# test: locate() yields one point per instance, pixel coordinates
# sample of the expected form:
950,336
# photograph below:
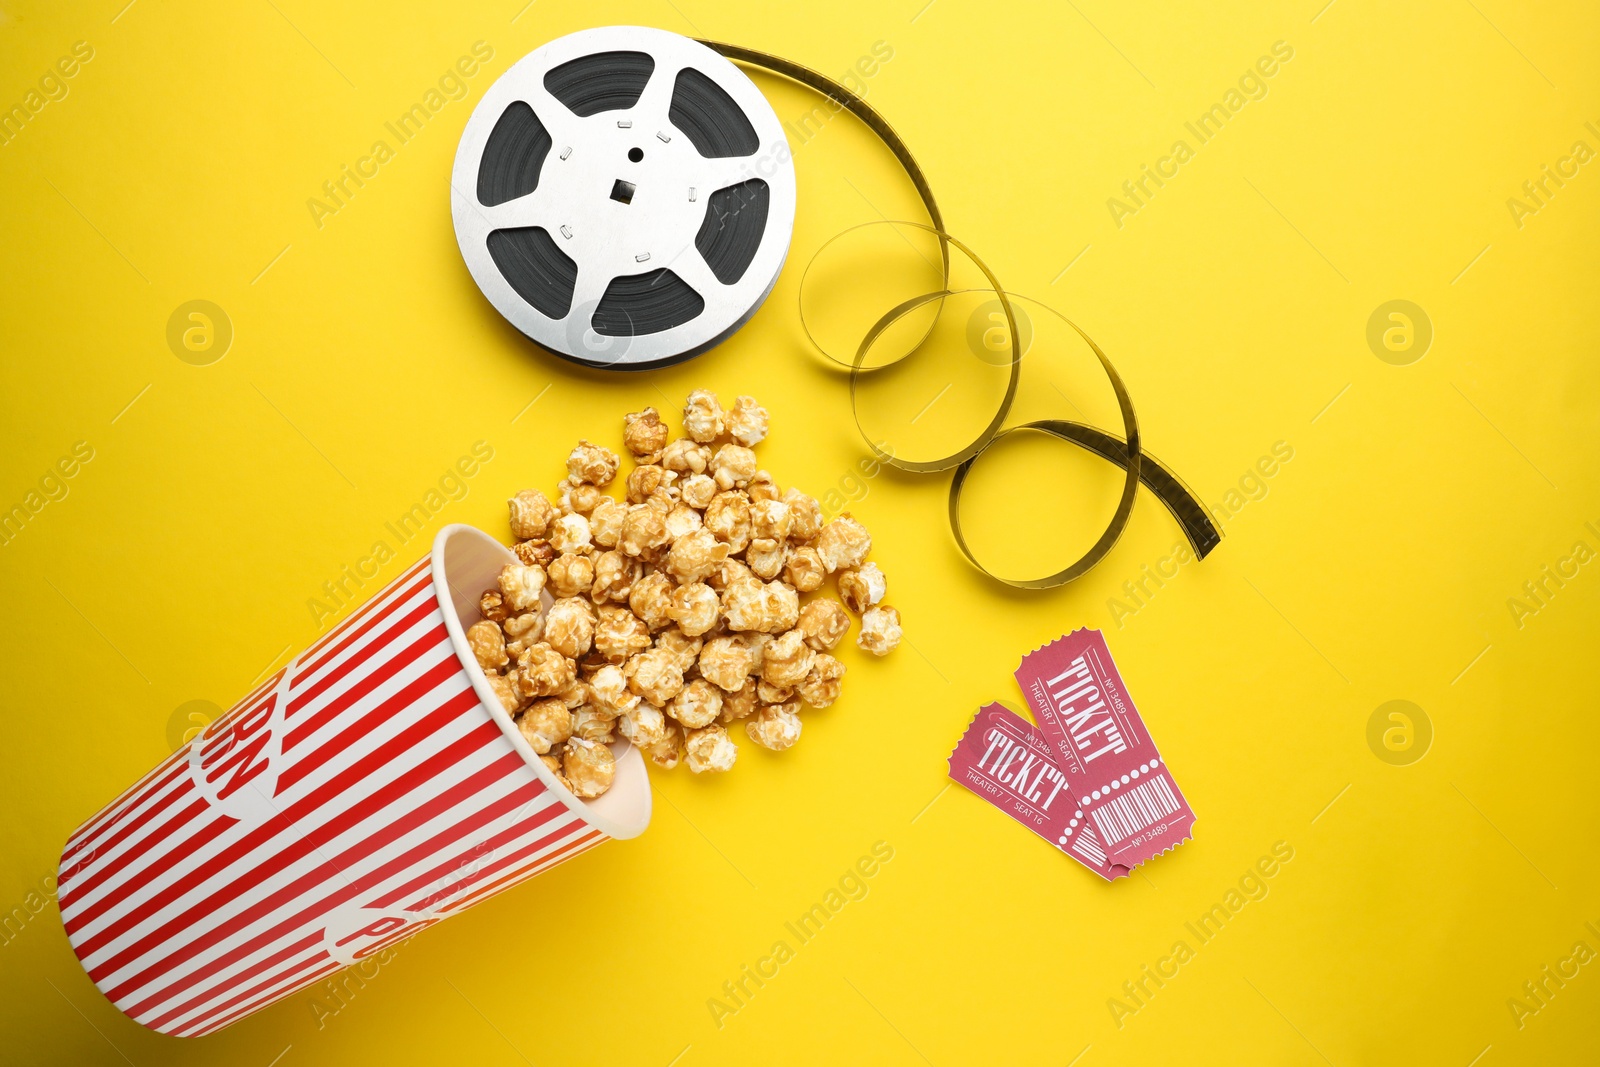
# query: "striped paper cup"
367,790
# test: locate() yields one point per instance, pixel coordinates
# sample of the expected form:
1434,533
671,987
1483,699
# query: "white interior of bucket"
468,561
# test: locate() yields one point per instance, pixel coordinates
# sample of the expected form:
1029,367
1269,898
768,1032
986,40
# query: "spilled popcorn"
676,611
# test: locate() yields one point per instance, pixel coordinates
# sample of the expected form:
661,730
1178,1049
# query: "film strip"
1124,452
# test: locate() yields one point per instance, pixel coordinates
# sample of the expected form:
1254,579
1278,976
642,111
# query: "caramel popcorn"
697,704
697,490
608,688
747,422
843,543
619,634
776,726
614,575
766,557
823,623
488,644
686,457
733,466
530,514
727,662
592,464
570,574
542,671
643,724
728,518
643,529
695,608
805,515
655,674
695,555
862,587
520,586
589,767
676,611
545,724
569,627
821,687
651,600
570,533
787,661
702,416
710,749
880,630
803,569
644,435
605,522
737,705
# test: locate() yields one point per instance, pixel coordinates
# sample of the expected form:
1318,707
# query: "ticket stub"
1006,762
1098,741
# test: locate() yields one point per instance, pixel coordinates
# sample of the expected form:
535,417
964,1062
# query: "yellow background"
1378,565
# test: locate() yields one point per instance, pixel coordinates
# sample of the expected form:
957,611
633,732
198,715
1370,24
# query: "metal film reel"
624,196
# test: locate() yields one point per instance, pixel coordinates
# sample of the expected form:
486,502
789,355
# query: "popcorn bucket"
367,790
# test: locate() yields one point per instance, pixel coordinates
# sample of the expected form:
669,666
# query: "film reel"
624,197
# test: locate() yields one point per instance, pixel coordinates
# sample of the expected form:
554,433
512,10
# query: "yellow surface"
1377,564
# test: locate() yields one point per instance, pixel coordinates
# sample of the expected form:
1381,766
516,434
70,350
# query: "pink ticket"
1098,740
1006,762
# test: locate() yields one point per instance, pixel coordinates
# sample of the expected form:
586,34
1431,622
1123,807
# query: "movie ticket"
1004,760
1097,739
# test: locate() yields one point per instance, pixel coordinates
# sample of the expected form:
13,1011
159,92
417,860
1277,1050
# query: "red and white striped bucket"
367,790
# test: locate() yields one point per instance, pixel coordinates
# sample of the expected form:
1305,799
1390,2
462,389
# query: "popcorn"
697,704
787,661
644,435
619,634
570,533
765,557
776,726
710,749
643,724
530,514
862,587
686,457
728,519
569,627
609,691
592,464
803,569
805,515
675,612
726,662
651,600
880,630
643,529
695,555
545,724
747,422
702,416
488,644
733,466
542,671
570,574
821,687
695,608
605,522
823,623
843,543
589,767
697,491
520,586
655,674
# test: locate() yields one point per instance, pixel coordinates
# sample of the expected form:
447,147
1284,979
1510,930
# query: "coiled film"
624,196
